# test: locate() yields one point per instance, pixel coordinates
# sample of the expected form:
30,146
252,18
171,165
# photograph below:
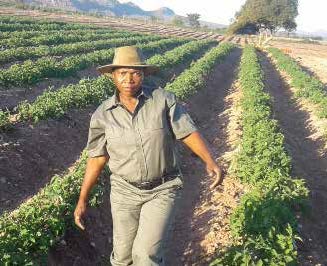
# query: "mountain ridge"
105,7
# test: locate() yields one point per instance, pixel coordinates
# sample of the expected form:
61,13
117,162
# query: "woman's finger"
78,222
214,184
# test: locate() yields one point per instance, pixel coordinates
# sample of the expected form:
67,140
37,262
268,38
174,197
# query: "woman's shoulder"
102,108
160,93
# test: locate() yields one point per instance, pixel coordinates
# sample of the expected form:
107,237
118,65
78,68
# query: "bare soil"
309,159
11,97
201,227
311,56
31,155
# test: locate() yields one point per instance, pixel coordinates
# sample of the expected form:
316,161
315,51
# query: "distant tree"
193,19
289,26
266,14
177,22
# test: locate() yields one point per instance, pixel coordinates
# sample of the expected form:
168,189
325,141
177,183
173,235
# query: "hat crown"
128,55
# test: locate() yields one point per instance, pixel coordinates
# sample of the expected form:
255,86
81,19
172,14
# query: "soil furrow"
201,226
9,99
309,161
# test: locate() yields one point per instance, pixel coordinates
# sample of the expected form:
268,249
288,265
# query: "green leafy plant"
54,37
54,104
307,86
263,224
94,42
27,233
193,78
31,72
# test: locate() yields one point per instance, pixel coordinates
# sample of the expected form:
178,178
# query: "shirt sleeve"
96,143
181,123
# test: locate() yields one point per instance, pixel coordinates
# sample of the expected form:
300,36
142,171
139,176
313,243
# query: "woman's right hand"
79,213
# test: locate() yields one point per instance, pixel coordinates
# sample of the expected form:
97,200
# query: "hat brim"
148,69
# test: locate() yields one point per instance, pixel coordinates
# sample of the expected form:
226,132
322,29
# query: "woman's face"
128,80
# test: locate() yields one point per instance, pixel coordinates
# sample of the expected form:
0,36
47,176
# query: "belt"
147,185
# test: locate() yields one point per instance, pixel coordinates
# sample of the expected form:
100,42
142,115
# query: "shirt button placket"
140,149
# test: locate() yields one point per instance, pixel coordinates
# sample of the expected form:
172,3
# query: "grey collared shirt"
141,145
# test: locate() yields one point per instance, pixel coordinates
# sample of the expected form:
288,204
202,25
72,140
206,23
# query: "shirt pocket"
114,134
155,132
120,141
154,124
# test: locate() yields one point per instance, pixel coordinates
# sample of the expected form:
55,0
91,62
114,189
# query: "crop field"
263,114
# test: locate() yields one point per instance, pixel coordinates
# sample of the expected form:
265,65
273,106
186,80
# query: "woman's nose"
129,76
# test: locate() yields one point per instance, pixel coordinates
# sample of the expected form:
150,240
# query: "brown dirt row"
313,57
201,226
10,98
309,159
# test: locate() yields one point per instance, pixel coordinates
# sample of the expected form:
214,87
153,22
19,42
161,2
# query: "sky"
312,13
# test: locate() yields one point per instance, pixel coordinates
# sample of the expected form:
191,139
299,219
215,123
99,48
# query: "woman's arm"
197,144
94,167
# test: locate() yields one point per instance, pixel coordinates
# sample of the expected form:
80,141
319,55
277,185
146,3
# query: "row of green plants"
28,21
306,85
264,224
28,232
31,72
179,54
38,33
55,37
54,104
50,26
94,42
194,78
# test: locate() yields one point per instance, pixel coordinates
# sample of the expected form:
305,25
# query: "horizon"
311,16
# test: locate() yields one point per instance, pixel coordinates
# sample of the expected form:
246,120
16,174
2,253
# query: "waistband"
147,185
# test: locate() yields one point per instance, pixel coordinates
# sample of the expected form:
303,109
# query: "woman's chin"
130,90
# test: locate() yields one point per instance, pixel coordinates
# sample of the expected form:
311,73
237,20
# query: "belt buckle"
152,184
145,185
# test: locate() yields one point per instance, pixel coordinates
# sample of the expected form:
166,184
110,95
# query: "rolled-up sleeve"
96,143
181,123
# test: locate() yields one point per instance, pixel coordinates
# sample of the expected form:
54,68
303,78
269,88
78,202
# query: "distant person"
135,131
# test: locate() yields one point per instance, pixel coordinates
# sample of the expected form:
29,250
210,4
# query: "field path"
202,222
309,162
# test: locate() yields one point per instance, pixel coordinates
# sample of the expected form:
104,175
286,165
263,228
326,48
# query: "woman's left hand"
215,171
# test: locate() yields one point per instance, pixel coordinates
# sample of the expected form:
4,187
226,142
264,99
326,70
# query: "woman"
134,131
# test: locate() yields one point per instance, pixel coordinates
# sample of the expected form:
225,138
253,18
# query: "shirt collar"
114,102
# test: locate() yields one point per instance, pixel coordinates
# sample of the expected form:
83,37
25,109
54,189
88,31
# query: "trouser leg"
156,217
125,210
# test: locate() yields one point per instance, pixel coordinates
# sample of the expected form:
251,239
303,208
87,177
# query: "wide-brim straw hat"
128,56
